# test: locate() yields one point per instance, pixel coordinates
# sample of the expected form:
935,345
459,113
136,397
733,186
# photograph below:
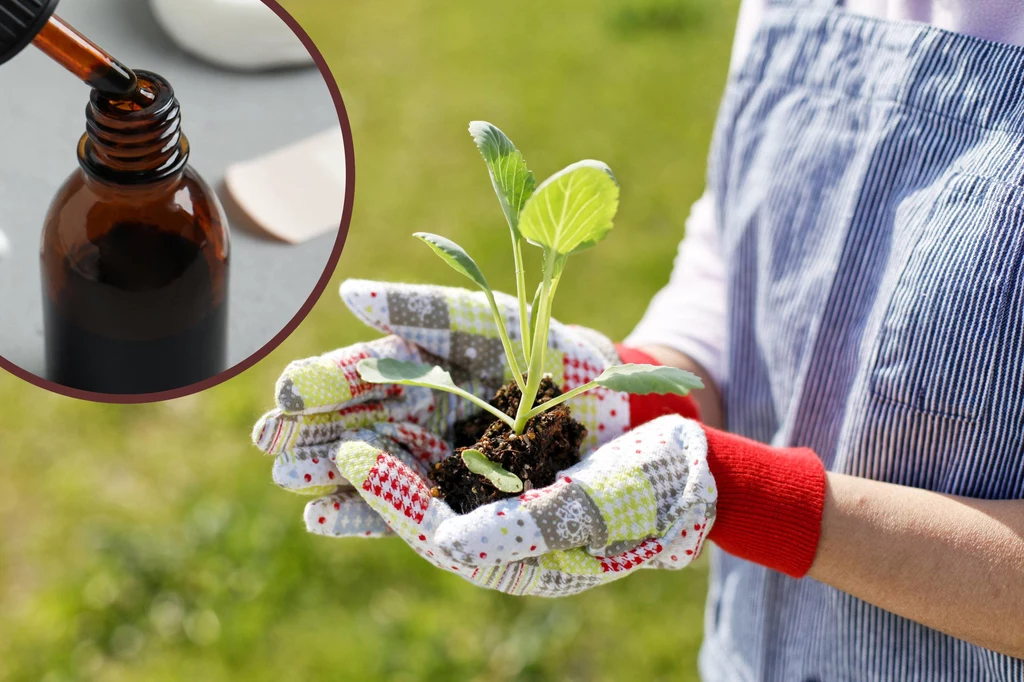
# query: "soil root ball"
549,444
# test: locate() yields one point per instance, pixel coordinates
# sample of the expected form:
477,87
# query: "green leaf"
513,182
455,256
573,209
643,379
390,371
503,480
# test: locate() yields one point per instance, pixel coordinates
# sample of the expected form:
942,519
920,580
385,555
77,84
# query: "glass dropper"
88,62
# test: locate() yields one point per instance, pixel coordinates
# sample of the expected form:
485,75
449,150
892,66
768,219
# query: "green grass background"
148,543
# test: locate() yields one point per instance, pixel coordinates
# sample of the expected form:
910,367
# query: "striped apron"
869,186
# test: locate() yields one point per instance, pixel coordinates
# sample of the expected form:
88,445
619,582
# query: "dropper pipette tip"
86,60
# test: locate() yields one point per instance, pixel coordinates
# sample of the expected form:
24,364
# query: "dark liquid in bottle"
136,315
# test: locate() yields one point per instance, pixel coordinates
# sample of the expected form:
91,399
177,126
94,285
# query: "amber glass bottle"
135,255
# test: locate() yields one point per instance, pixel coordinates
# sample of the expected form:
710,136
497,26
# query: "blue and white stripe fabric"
869,186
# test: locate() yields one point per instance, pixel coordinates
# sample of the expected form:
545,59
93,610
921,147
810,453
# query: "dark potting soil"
469,431
550,443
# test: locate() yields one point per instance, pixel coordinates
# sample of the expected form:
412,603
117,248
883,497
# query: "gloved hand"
644,500
322,400
386,438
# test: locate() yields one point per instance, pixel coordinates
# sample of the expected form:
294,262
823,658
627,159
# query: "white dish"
236,34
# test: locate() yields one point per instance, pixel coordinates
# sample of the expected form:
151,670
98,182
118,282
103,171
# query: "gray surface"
228,117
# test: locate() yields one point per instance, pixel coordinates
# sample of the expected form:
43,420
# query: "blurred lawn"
147,543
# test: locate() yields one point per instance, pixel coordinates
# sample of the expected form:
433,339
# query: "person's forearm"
708,399
951,563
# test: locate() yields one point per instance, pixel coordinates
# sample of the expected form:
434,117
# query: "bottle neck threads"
137,140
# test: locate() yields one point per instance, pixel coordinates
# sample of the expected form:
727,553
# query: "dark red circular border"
318,290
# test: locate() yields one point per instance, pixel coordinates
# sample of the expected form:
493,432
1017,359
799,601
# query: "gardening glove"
322,400
645,499
667,481
652,484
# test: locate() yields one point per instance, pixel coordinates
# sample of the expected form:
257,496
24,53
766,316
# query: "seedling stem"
569,212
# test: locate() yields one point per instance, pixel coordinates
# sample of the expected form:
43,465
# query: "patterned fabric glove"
644,500
322,401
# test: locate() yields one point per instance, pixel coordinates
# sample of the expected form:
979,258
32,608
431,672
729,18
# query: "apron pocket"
946,321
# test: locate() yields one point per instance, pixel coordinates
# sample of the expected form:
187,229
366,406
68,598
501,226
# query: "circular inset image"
176,186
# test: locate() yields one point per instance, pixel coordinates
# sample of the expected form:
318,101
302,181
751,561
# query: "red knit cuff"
770,502
644,408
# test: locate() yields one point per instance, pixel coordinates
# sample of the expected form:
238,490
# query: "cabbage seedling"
571,211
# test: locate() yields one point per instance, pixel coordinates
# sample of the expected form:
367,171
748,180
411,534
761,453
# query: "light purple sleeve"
998,20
